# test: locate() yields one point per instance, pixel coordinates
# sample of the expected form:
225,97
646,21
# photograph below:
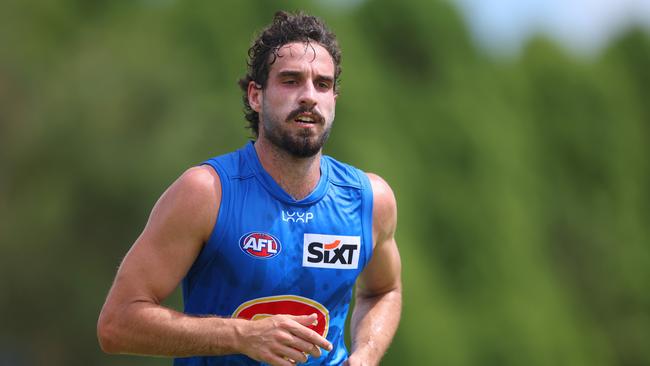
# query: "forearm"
150,329
374,322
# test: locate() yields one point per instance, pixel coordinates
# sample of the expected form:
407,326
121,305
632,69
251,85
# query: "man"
270,239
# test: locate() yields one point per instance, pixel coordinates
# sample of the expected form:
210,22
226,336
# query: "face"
296,107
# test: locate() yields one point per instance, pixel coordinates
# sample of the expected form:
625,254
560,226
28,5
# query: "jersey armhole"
366,215
210,247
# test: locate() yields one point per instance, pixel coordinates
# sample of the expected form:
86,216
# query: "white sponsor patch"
331,251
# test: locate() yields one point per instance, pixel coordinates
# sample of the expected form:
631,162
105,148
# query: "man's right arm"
133,321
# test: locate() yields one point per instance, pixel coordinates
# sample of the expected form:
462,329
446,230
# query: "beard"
303,144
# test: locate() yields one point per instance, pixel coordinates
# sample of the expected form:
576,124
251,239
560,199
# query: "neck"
297,176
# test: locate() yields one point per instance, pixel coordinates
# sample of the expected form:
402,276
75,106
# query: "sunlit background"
583,27
515,134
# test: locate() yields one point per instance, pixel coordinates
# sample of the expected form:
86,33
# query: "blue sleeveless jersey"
270,254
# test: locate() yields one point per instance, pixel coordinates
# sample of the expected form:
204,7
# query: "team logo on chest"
260,245
331,251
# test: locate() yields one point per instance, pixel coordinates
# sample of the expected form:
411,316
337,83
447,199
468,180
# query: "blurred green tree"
523,185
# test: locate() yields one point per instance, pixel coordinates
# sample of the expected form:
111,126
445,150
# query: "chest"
275,247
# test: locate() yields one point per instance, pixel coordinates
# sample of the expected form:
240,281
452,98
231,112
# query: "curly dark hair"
285,28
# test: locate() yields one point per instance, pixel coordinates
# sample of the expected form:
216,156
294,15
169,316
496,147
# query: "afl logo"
260,245
265,307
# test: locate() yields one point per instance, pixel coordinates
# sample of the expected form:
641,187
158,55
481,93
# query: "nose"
307,96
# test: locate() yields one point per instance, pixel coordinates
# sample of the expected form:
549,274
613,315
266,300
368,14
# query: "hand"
281,340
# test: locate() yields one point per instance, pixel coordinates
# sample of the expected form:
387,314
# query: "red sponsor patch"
260,245
286,305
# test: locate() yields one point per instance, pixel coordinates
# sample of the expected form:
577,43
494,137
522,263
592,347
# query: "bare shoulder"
200,180
192,201
197,186
381,190
384,210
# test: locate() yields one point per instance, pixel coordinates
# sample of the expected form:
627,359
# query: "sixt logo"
295,216
260,245
331,251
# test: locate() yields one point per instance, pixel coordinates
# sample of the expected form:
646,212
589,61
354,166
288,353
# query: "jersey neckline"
274,188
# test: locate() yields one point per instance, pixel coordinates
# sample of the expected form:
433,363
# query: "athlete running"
268,241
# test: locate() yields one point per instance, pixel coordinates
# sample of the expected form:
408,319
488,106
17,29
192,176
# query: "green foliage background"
523,185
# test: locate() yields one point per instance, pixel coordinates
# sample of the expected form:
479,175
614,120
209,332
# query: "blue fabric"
270,254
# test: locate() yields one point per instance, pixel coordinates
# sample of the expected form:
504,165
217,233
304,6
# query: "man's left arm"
378,300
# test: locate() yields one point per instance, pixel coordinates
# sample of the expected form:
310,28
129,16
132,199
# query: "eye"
289,82
324,85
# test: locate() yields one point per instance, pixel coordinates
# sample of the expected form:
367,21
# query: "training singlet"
270,254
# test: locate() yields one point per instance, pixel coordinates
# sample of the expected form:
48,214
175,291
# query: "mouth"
306,118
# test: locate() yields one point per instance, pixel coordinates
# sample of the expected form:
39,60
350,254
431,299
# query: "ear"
255,96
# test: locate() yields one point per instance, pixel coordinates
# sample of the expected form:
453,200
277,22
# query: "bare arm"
132,319
379,289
